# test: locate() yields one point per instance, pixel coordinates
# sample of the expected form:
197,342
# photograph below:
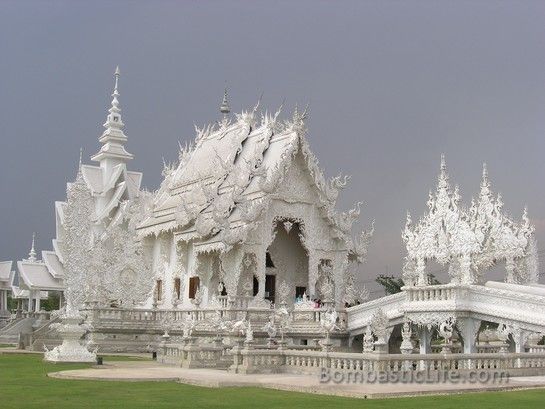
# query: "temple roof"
53,264
5,270
227,176
223,165
95,179
5,275
36,276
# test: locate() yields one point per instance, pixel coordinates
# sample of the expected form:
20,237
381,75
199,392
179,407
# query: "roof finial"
117,73
114,117
32,253
80,156
443,163
224,108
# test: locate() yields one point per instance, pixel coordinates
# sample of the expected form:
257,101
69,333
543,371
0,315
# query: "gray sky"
391,84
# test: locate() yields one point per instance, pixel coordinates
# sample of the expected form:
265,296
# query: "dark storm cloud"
391,86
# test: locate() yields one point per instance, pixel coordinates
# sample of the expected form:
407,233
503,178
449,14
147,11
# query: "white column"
37,301
425,340
520,337
260,272
30,295
469,328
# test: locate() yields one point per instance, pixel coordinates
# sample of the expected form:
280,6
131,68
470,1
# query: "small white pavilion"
5,288
34,278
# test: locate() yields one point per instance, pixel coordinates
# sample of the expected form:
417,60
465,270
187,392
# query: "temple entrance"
270,286
286,261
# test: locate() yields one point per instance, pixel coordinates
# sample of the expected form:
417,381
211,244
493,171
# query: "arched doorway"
286,260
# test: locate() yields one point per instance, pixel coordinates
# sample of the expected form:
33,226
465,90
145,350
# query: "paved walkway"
152,371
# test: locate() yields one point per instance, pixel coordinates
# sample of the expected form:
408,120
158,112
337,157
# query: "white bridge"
519,307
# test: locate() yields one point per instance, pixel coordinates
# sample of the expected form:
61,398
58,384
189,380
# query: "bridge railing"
312,361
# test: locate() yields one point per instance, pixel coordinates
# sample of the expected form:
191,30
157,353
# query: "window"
268,260
256,286
193,286
177,286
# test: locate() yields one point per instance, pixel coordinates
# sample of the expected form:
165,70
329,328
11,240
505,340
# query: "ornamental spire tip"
32,253
224,107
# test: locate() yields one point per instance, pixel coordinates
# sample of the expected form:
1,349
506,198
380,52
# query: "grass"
24,384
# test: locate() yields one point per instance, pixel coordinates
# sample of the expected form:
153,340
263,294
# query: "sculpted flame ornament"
468,241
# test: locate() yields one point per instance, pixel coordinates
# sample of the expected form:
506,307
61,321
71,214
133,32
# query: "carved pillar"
520,337
30,296
231,264
169,276
312,273
510,267
424,335
338,274
465,269
260,272
421,272
469,328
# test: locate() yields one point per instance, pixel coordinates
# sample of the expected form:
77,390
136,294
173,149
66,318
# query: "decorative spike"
304,115
279,110
117,74
32,253
113,120
256,107
224,108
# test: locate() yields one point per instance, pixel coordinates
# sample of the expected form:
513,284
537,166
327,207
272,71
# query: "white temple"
241,260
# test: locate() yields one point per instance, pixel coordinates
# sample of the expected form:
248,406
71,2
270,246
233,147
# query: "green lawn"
24,384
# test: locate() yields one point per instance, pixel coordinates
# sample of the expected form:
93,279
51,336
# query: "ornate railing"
254,361
155,318
432,293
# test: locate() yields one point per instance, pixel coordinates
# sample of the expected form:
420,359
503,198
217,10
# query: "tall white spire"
32,253
224,107
80,159
113,120
113,137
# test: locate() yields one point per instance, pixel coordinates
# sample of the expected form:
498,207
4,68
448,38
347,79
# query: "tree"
392,285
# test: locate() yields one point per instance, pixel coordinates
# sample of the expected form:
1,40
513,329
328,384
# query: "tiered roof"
5,275
224,180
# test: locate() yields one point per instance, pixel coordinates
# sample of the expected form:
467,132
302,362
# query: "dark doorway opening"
270,286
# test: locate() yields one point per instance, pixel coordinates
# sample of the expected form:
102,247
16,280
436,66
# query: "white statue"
406,344
189,324
368,340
